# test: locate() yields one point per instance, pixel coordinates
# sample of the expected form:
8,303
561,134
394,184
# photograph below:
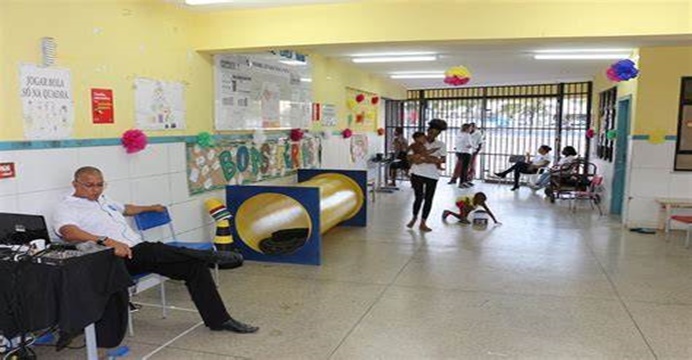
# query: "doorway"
620,163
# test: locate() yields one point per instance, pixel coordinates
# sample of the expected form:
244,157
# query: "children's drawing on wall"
359,148
47,105
159,105
237,162
270,97
361,109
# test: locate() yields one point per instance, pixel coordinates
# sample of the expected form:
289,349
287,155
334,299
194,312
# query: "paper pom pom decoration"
457,76
375,100
611,134
347,133
296,134
134,140
352,104
360,98
258,137
590,133
205,139
622,70
380,131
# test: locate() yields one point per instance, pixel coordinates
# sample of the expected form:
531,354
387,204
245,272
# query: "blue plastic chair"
150,220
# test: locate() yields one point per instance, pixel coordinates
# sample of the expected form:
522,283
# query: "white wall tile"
151,190
189,215
652,156
195,235
119,190
42,203
151,161
179,189
643,212
681,185
177,160
113,161
45,169
8,204
649,182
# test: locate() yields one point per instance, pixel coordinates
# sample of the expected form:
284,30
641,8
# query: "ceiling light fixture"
403,53
604,56
292,62
418,76
582,51
385,59
206,2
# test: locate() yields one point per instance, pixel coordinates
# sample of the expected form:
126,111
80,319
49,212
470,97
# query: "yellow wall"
105,44
659,88
331,77
428,20
109,43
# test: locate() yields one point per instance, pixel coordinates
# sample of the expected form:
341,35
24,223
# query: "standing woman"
425,173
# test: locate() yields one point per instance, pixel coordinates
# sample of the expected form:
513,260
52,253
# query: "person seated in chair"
89,216
400,147
542,159
569,155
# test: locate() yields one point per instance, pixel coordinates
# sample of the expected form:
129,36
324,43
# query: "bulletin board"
361,110
257,91
233,162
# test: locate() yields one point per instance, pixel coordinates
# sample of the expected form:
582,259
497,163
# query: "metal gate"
514,119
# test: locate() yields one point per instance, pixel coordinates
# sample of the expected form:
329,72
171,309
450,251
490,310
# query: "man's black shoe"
226,259
235,326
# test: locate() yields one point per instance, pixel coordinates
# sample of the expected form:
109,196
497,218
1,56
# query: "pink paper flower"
347,133
296,134
134,140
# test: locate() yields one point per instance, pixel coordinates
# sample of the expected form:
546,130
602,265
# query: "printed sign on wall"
102,106
47,106
239,162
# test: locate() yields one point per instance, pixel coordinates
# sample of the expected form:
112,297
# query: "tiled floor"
547,284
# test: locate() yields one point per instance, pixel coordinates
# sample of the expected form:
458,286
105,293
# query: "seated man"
542,159
569,154
88,215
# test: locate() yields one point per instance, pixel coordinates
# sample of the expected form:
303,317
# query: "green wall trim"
646,137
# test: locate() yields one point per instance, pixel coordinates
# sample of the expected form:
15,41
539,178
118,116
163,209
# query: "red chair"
591,194
685,220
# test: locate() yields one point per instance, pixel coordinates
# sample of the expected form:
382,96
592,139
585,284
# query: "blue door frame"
620,162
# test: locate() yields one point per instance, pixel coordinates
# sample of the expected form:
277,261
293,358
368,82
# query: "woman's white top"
429,170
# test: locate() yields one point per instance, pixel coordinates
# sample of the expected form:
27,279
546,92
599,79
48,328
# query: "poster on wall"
47,104
159,105
253,91
102,111
362,107
239,162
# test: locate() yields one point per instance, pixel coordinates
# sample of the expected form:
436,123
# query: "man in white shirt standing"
89,216
464,150
477,140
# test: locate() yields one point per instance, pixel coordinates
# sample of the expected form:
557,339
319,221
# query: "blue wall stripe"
646,137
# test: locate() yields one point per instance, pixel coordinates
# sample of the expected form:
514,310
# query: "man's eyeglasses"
92,186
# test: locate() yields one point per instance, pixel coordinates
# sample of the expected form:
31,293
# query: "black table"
72,295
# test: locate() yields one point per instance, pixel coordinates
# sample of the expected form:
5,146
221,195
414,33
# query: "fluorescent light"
582,51
206,2
421,72
409,53
580,56
307,80
418,76
292,62
384,59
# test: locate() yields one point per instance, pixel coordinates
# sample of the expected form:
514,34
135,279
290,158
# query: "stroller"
570,178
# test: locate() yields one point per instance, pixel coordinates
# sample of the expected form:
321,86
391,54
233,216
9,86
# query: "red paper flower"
360,118
347,133
590,133
380,131
296,134
134,140
375,100
360,98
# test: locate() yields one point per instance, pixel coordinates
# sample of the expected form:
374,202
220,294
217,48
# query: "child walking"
466,204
